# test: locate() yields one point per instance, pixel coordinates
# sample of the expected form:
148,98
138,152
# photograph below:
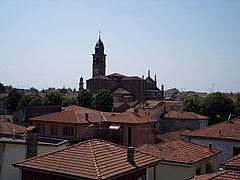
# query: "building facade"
141,89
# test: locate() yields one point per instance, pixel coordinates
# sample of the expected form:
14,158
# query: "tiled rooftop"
225,130
130,78
221,175
93,159
233,162
76,115
179,151
170,136
121,91
3,95
7,128
184,115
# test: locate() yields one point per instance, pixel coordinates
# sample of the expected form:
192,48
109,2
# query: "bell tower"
99,59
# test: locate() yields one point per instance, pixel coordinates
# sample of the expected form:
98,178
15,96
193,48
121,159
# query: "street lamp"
91,125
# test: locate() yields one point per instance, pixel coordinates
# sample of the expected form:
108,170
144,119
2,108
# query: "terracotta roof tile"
121,91
76,115
233,162
179,151
225,130
170,136
102,159
7,128
184,115
221,175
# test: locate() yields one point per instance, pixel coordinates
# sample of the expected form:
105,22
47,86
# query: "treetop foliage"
217,106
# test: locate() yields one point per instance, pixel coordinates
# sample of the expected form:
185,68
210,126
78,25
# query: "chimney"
130,155
31,140
14,134
136,111
210,146
164,109
86,116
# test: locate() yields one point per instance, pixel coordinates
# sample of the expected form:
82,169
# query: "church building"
124,88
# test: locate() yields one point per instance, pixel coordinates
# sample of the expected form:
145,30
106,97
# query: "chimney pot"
210,146
14,134
130,155
86,116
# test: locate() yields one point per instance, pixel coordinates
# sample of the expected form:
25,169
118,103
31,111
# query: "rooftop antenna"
99,33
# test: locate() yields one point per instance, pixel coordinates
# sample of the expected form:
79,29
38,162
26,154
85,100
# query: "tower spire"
99,34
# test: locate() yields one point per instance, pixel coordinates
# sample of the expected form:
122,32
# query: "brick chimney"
86,116
31,140
130,155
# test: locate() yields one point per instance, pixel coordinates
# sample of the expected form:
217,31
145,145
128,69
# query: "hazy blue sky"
188,44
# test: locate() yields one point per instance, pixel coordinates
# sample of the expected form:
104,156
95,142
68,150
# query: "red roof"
179,151
184,115
225,130
7,128
170,136
233,162
221,175
93,159
77,115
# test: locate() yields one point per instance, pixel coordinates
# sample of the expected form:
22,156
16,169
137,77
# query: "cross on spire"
99,34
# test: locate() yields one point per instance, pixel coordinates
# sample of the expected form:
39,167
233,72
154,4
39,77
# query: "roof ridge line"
99,175
133,118
182,152
76,115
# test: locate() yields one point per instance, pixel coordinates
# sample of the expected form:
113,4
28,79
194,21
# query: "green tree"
33,90
237,103
24,101
84,98
192,104
2,88
103,100
13,99
69,101
53,97
217,104
36,101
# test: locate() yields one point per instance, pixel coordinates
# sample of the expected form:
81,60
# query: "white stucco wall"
226,146
11,153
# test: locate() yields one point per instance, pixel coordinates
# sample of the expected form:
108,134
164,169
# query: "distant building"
136,88
177,120
128,128
3,100
21,116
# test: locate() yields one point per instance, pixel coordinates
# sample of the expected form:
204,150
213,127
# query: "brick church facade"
124,88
